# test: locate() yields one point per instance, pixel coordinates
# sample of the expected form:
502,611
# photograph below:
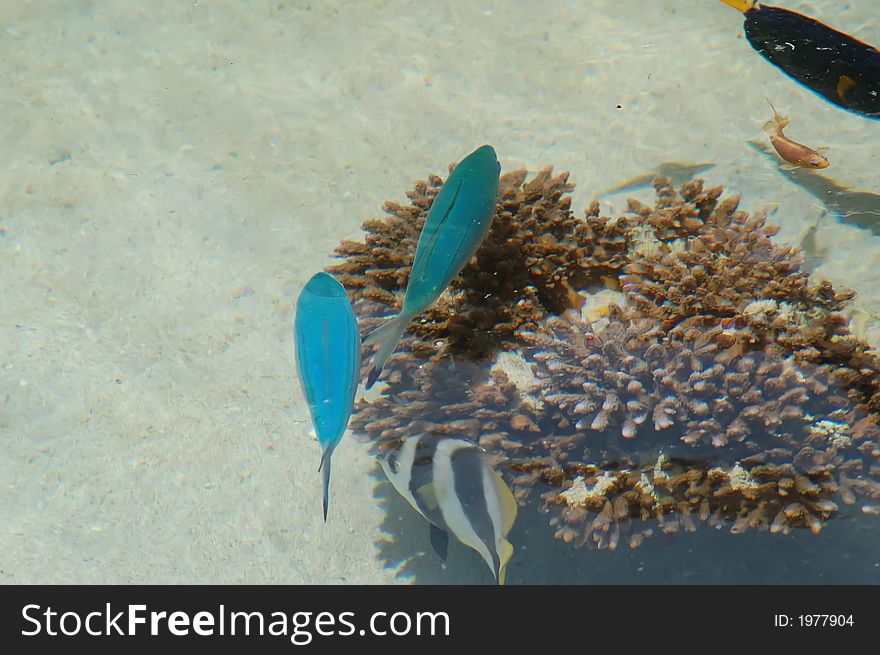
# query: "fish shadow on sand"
857,208
678,172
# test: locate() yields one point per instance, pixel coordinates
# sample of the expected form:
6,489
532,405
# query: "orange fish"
795,154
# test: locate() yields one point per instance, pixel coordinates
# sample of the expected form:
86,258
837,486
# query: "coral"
464,400
534,259
715,262
704,379
671,426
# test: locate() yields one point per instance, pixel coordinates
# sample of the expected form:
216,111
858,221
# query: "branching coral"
723,387
535,258
669,423
465,400
714,262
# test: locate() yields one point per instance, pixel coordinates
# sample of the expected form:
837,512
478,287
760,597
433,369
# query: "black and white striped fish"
449,481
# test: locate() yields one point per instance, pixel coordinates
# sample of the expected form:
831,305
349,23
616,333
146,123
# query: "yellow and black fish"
834,65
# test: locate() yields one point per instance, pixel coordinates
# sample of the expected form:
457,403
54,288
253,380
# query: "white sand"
173,173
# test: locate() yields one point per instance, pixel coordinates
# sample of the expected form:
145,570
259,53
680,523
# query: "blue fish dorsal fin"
428,243
457,223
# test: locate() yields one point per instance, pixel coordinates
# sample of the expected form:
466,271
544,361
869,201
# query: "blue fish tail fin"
386,337
324,467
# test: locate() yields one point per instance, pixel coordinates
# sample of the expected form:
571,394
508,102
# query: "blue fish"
328,357
456,225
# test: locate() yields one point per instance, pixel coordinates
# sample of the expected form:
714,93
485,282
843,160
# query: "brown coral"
534,259
466,399
715,262
674,428
724,387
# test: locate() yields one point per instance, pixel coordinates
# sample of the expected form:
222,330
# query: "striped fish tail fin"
503,558
385,337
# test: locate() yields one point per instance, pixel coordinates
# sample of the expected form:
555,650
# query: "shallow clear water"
174,173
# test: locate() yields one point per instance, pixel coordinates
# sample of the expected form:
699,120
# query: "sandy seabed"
174,172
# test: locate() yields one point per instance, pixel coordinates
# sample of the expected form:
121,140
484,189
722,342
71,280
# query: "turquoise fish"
456,225
328,358
450,482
